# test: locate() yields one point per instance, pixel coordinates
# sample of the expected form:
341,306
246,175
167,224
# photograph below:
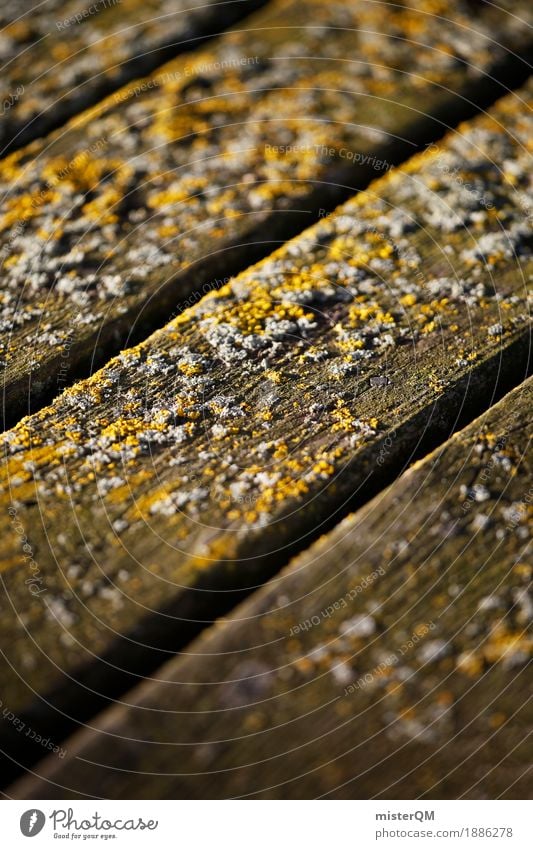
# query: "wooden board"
391,660
61,56
143,204
150,496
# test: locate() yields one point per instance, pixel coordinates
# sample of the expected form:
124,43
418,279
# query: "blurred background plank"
141,205
151,496
61,56
391,659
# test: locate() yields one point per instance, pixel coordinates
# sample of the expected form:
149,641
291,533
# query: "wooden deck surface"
146,202
61,56
292,376
187,469
389,660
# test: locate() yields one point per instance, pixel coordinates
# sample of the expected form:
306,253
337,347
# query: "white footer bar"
268,824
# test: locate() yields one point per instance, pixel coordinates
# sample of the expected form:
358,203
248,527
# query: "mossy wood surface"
147,497
61,56
173,183
393,658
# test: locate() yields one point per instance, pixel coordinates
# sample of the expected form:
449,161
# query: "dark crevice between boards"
227,13
160,636
28,395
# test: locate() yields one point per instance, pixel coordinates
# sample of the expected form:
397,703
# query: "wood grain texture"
144,203
146,498
61,56
392,660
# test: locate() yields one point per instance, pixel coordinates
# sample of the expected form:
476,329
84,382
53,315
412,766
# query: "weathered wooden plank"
61,57
392,659
185,177
192,465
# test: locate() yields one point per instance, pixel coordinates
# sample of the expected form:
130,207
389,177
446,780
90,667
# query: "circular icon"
32,822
